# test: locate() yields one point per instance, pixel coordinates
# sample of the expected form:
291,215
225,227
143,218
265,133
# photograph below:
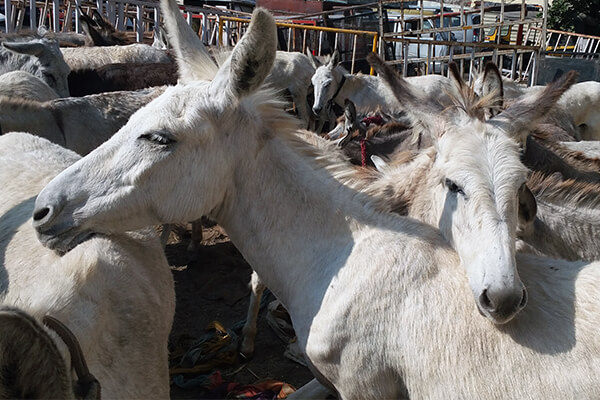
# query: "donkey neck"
366,92
298,227
564,232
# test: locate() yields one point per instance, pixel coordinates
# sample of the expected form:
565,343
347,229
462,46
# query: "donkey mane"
382,186
551,188
573,157
469,102
318,157
15,103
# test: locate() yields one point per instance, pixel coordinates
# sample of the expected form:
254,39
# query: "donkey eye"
159,138
49,77
453,187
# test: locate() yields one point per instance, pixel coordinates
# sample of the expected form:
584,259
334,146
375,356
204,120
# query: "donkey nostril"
485,301
38,215
523,299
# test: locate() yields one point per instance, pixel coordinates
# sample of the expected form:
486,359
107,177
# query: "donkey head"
327,81
477,182
47,62
185,142
100,30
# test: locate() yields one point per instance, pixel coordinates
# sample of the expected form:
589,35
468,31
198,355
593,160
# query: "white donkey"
590,148
582,102
25,86
39,56
61,120
380,303
292,72
95,57
444,186
580,105
334,84
114,292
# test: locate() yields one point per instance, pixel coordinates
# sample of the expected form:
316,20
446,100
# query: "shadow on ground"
212,285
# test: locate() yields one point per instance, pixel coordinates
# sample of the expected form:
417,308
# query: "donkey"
94,57
39,56
582,102
550,157
60,120
590,148
24,85
114,292
333,84
567,218
473,175
252,174
100,31
40,370
377,134
115,77
576,111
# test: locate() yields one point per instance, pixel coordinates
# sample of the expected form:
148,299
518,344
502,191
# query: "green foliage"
562,13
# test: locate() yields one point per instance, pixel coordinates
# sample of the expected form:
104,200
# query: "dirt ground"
212,284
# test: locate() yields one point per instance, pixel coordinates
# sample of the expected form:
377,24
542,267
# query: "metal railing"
232,28
574,45
421,37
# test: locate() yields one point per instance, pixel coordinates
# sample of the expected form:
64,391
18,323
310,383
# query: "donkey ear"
160,39
36,366
379,163
527,206
418,108
492,87
42,30
253,56
336,132
349,112
334,61
455,74
349,124
517,119
98,18
89,28
193,60
34,47
313,60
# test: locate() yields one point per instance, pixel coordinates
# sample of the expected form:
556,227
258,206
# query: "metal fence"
416,38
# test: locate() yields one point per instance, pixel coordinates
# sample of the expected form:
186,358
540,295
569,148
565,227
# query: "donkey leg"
196,236
257,288
164,236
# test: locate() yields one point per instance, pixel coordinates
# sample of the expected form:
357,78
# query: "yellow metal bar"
309,27
220,32
375,39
